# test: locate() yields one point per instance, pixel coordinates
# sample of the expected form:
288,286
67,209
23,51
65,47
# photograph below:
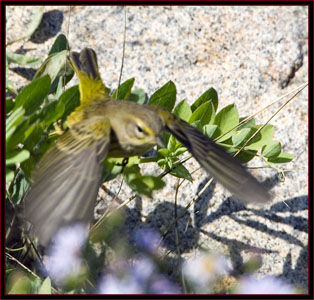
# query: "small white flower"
266,285
205,269
64,256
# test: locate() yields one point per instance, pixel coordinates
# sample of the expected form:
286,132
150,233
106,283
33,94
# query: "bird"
67,178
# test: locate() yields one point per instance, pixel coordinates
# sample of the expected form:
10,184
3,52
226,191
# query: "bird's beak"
160,142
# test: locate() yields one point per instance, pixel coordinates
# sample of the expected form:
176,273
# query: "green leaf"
172,143
13,120
36,19
252,265
138,96
204,113
227,119
197,124
17,136
164,152
70,99
282,158
9,175
241,136
45,287
9,105
248,124
45,143
29,131
272,149
124,90
264,137
147,184
33,136
244,156
183,110
56,66
10,86
148,159
52,112
22,59
9,134
209,95
211,131
162,163
181,171
33,95
60,44
111,168
180,151
17,156
170,160
60,88
17,188
165,96
27,167
142,184
19,284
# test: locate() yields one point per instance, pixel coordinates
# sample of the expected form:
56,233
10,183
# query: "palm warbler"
67,178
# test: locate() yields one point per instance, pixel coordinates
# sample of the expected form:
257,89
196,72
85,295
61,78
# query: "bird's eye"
139,129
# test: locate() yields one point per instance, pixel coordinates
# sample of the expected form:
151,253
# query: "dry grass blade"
299,89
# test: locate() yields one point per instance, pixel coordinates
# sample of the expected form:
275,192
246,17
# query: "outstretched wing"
222,166
67,178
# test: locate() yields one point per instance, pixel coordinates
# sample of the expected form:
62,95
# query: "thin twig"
123,53
299,88
106,213
186,208
9,256
67,47
177,234
175,165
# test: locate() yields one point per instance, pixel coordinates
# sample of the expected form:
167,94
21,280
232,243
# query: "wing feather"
226,169
67,179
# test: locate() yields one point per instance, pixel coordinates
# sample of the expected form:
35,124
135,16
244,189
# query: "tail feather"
86,67
86,62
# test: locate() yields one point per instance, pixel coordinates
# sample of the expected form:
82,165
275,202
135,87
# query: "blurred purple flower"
143,268
147,239
162,285
64,255
266,285
111,284
139,277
